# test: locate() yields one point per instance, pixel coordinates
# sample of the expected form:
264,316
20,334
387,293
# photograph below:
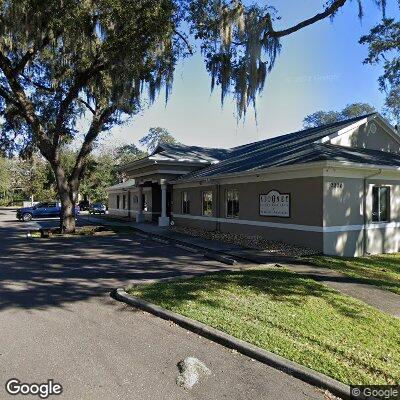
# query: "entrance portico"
151,199
164,219
139,213
156,206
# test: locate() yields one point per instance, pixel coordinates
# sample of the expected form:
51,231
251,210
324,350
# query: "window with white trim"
123,202
185,203
380,204
232,203
206,203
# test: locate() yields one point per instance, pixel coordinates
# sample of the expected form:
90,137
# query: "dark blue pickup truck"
40,210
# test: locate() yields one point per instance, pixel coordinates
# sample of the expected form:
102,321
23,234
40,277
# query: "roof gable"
298,147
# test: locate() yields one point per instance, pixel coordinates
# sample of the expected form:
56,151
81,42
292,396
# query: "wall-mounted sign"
336,185
275,204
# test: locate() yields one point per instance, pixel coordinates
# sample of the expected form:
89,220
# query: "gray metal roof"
130,183
180,152
330,152
298,147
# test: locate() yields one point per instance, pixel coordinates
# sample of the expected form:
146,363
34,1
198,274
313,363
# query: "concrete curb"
221,258
218,256
289,367
191,247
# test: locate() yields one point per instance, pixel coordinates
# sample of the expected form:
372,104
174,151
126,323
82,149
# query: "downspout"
129,204
218,207
365,236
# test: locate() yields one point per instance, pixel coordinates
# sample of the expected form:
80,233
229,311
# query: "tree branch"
99,118
329,11
91,109
81,79
25,106
37,85
31,53
8,96
189,47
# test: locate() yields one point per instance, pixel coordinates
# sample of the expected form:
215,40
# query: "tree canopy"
107,59
384,46
156,136
320,118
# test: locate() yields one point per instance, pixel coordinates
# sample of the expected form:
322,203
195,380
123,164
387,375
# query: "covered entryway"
159,203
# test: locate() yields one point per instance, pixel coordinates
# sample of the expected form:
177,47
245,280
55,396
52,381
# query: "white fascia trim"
162,171
378,118
388,128
149,162
295,227
309,170
344,130
133,190
261,173
137,164
348,166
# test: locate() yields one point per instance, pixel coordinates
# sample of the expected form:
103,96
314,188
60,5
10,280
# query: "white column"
163,220
139,215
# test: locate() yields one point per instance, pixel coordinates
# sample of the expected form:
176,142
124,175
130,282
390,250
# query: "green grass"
292,316
382,270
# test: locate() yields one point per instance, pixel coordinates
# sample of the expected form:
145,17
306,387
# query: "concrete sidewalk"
381,299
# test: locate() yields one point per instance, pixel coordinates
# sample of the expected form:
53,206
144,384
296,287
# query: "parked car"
41,210
83,205
97,208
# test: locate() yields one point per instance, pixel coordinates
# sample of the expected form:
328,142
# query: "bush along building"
334,188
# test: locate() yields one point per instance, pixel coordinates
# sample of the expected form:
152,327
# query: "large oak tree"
64,60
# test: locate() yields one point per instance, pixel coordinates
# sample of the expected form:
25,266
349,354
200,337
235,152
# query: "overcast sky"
319,68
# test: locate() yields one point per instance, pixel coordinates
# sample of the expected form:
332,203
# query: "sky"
319,68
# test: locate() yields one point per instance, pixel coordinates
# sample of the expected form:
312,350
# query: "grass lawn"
382,270
292,316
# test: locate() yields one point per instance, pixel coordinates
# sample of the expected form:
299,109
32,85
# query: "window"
117,201
52,205
380,203
207,203
123,202
232,203
185,203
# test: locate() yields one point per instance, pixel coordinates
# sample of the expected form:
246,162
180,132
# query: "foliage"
25,179
321,118
384,45
155,137
128,153
104,60
5,180
294,317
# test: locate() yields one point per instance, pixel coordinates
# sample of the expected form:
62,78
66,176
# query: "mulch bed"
253,242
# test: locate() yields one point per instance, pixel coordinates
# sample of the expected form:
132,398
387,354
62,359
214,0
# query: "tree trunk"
67,195
67,219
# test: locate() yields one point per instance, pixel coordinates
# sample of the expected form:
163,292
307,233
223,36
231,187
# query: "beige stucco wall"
345,233
364,137
306,209
133,193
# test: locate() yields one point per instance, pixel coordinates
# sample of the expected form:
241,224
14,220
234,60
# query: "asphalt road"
57,321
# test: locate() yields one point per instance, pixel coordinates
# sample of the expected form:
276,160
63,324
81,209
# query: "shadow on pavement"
39,273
